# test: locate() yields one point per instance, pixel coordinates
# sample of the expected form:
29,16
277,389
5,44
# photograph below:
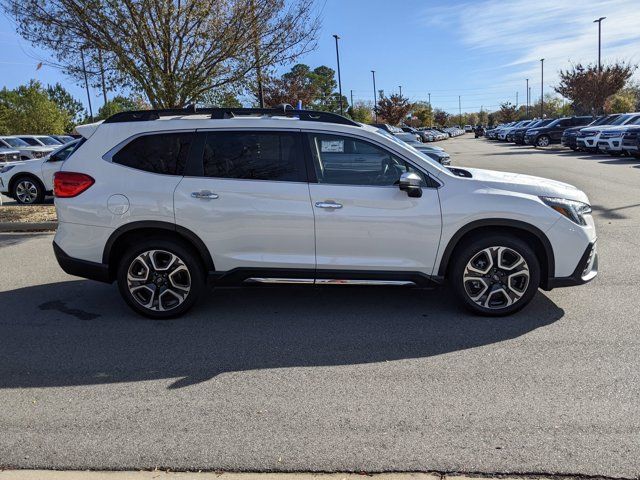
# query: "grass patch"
27,213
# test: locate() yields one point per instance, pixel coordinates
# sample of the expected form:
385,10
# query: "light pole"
400,87
542,88
599,22
351,100
339,80
460,111
375,101
429,98
527,94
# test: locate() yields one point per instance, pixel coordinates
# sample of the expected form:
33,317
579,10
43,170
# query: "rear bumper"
81,268
586,270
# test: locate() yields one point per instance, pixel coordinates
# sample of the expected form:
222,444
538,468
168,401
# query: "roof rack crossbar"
226,113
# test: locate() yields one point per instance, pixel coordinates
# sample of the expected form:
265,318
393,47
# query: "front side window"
273,156
347,161
164,153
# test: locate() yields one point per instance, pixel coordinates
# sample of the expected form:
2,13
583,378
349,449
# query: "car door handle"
205,195
328,205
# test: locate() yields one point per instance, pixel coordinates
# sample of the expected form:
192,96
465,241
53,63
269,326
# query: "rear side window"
164,153
274,156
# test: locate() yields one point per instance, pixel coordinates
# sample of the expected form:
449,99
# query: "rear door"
248,200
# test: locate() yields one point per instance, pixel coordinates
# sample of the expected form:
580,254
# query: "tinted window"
347,161
254,156
164,153
49,141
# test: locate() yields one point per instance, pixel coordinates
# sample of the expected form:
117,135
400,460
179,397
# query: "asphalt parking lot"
334,379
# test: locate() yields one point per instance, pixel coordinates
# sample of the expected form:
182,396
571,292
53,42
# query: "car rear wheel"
28,190
543,141
160,279
495,275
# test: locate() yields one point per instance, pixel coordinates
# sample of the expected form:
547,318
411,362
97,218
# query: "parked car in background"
9,155
610,140
588,137
26,151
435,153
407,137
519,133
28,182
570,135
63,139
631,142
304,198
552,133
468,129
387,128
505,132
40,140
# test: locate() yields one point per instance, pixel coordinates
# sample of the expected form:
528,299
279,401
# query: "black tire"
163,247
27,190
575,149
543,141
473,249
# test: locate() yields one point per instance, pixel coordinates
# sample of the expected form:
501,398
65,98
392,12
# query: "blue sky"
482,50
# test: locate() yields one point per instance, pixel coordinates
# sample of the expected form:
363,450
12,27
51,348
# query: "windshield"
31,141
15,142
622,119
49,141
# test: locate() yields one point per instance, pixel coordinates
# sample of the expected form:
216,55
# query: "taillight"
70,184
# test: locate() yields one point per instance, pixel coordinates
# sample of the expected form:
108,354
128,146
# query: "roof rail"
225,113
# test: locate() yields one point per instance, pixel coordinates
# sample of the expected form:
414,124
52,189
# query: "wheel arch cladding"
534,237
126,235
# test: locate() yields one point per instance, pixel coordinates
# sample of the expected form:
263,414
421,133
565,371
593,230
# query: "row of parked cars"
28,163
616,134
418,137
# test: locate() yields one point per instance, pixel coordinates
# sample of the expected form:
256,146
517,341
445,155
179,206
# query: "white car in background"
40,140
26,151
588,138
30,181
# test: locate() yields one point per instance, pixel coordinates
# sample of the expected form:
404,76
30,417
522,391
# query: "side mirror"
412,184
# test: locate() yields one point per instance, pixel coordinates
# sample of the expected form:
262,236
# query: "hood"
527,184
600,127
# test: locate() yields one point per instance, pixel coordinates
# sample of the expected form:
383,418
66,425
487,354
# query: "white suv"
167,202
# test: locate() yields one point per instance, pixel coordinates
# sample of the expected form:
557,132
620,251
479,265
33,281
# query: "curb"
28,227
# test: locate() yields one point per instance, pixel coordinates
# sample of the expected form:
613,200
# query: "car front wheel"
543,141
28,190
160,278
495,275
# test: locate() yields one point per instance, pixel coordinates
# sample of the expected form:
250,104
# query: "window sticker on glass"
332,146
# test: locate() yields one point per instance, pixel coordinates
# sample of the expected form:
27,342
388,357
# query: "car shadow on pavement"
81,333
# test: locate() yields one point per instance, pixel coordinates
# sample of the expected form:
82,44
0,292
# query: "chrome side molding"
329,281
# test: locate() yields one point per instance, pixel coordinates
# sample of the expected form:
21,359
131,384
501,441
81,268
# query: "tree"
361,112
553,107
170,51
120,104
67,103
440,117
507,112
588,88
424,113
220,98
394,108
621,102
28,109
295,85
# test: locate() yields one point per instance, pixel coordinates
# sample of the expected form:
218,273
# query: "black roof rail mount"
284,110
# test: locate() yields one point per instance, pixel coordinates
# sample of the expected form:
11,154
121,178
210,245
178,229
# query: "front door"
363,220
250,204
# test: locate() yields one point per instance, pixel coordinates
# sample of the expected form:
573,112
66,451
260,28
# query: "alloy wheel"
158,280
543,141
26,191
496,277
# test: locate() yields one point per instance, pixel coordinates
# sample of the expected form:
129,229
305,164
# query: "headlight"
571,209
5,169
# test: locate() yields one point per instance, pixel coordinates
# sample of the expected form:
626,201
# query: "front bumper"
587,143
586,270
569,141
613,144
81,268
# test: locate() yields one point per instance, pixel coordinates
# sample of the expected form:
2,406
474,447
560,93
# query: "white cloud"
560,31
